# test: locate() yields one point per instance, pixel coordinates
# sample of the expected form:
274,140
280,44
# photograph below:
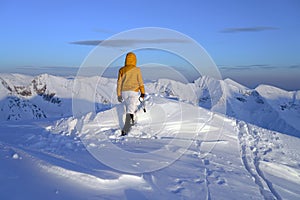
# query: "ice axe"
142,101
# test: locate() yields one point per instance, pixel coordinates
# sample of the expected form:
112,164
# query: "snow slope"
287,104
219,157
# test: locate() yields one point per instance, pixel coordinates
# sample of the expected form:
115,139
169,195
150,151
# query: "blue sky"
251,41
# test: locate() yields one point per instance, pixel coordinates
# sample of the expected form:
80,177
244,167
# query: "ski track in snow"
206,174
249,154
205,162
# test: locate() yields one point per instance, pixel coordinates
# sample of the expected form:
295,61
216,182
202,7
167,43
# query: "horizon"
252,43
165,73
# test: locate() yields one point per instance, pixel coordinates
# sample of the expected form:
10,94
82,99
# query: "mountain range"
45,96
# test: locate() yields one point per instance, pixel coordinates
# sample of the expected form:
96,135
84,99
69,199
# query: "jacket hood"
130,59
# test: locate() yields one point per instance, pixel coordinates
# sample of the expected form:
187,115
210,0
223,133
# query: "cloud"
127,42
248,29
87,42
226,68
294,66
246,67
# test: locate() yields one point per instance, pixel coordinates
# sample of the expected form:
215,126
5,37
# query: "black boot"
127,125
132,119
123,133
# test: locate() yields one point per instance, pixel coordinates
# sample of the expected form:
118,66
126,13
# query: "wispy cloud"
87,42
257,67
294,66
248,29
246,67
127,42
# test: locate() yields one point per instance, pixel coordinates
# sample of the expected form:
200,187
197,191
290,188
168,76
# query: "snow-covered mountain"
46,96
186,146
26,97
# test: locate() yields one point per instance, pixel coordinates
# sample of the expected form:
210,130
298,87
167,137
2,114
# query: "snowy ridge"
255,107
47,96
287,104
34,93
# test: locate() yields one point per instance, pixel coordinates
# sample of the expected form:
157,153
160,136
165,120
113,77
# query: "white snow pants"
131,99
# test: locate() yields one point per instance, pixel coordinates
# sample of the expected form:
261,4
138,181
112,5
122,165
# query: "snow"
284,102
177,149
16,156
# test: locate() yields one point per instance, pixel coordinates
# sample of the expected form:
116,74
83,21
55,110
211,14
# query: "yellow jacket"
130,76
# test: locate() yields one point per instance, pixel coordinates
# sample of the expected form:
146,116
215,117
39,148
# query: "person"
130,83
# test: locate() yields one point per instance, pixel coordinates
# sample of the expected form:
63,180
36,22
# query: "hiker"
130,83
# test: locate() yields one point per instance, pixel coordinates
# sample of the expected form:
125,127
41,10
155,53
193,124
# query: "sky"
252,42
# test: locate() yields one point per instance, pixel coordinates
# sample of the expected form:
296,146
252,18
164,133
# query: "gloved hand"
142,96
120,99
